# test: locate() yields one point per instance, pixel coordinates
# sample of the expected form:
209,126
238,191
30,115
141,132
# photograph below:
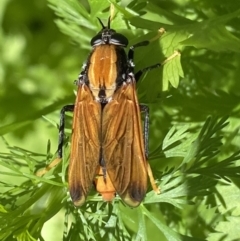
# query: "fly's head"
109,36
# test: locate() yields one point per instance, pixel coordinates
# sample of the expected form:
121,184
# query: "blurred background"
38,65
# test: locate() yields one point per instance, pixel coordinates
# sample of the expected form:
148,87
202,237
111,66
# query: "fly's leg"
140,72
161,31
145,109
131,54
138,75
65,109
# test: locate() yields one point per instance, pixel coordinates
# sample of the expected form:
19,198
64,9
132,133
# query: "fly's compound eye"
119,39
96,40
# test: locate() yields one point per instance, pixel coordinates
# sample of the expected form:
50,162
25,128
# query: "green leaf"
168,232
207,32
228,230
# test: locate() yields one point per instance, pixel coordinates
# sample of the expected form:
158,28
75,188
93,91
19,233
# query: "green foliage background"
194,113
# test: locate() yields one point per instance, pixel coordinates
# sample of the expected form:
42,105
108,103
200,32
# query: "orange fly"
108,147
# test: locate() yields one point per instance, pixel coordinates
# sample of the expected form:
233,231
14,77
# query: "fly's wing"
123,148
85,146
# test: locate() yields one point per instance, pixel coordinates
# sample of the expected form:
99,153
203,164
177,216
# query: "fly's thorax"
106,70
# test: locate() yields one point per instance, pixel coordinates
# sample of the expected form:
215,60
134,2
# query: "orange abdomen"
106,66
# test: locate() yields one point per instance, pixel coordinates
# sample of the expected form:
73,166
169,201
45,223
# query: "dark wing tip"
134,195
77,195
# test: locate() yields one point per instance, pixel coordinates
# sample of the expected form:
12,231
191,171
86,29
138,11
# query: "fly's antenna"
108,25
109,21
101,23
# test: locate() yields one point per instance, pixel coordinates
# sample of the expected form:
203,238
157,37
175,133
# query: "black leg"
140,72
145,43
145,109
161,31
131,54
132,48
61,128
